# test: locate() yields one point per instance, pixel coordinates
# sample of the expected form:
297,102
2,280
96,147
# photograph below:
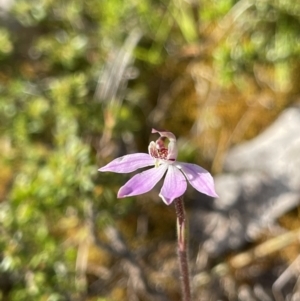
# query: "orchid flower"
163,160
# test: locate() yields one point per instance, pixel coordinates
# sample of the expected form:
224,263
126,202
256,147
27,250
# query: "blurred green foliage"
56,131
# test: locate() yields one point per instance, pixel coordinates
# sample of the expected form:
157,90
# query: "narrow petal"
128,163
142,182
198,177
174,185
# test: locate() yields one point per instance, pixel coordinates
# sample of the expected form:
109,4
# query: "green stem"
182,250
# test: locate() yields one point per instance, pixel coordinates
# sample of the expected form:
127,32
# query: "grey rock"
276,151
261,183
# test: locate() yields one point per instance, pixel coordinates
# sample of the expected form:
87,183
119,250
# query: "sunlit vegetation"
82,82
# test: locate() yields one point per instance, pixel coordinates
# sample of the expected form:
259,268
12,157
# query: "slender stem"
182,250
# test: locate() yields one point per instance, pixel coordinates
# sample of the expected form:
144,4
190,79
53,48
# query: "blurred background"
83,82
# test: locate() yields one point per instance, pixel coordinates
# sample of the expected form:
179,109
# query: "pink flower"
164,161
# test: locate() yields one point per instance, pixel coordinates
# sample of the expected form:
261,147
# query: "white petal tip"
121,196
166,201
211,194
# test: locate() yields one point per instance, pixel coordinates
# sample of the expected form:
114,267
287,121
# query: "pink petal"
142,182
199,178
174,185
128,163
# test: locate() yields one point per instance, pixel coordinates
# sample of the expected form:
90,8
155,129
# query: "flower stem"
182,249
